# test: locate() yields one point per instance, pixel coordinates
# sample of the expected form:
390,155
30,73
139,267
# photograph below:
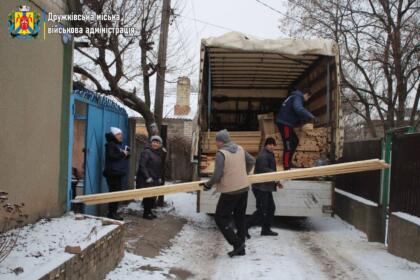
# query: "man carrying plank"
232,165
290,115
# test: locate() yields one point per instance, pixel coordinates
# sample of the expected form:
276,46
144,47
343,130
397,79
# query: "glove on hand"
205,186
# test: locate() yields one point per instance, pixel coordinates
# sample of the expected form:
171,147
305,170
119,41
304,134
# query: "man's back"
292,111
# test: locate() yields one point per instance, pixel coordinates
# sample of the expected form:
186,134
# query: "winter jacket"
292,111
265,163
220,163
151,165
116,162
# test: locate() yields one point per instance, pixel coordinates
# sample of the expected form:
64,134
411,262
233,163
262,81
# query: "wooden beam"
139,193
327,170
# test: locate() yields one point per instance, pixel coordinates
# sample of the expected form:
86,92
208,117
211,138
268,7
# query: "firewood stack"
313,144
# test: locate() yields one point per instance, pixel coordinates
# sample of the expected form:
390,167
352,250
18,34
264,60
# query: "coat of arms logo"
24,23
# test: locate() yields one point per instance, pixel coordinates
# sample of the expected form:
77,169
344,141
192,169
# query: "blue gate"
101,113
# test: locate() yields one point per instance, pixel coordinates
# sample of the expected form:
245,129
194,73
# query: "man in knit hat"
232,165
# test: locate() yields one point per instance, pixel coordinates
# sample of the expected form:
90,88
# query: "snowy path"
319,248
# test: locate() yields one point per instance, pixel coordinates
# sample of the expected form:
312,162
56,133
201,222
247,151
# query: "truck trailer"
243,81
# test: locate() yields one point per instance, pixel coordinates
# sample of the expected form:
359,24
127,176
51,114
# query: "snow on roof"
130,112
169,102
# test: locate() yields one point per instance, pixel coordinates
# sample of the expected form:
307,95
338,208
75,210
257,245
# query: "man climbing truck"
243,78
291,114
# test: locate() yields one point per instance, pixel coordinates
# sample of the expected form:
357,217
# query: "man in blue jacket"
291,114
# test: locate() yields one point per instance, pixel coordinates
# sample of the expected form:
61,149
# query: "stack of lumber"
313,145
328,170
249,140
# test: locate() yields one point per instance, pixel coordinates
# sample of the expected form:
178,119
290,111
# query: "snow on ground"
40,247
356,197
319,248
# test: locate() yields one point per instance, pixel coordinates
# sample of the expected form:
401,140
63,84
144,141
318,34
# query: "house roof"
130,112
169,102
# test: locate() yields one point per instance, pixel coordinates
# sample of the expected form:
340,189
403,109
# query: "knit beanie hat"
156,138
116,130
223,136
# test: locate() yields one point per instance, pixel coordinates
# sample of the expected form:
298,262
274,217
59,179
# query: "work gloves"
160,182
205,186
278,184
149,180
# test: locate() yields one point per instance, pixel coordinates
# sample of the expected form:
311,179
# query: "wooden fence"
364,184
405,174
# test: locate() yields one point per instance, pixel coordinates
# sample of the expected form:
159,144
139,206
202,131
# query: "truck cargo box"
242,78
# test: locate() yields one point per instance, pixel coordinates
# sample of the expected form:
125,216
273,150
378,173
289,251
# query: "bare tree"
110,52
379,53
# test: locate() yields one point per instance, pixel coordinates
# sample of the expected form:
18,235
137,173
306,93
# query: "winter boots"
237,251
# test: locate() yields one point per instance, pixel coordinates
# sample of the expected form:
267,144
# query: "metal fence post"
386,173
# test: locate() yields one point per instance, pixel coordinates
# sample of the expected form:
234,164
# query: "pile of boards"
313,144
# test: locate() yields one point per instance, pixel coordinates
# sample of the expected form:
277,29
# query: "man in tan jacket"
232,165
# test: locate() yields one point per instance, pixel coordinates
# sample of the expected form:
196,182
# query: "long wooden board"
327,170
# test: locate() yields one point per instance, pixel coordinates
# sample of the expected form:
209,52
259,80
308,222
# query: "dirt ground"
148,237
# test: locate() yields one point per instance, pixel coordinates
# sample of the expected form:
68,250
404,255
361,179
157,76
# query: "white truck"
242,77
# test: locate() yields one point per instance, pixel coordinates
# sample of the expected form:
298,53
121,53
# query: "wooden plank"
139,193
328,170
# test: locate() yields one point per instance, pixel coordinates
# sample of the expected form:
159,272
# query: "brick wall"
95,261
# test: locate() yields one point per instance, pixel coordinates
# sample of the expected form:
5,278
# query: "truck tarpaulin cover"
287,46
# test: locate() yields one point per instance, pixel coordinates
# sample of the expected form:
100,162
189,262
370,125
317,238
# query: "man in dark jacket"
232,165
151,172
116,166
263,192
291,114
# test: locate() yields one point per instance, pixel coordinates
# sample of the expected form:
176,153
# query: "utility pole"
161,65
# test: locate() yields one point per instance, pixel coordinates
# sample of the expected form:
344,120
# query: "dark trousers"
290,143
148,204
115,184
232,207
265,210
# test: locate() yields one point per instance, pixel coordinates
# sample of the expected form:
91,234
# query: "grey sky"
246,16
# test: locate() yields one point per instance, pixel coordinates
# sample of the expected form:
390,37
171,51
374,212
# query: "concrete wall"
35,82
364,217
404,238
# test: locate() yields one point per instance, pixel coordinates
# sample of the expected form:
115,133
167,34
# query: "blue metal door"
94,153
102,114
